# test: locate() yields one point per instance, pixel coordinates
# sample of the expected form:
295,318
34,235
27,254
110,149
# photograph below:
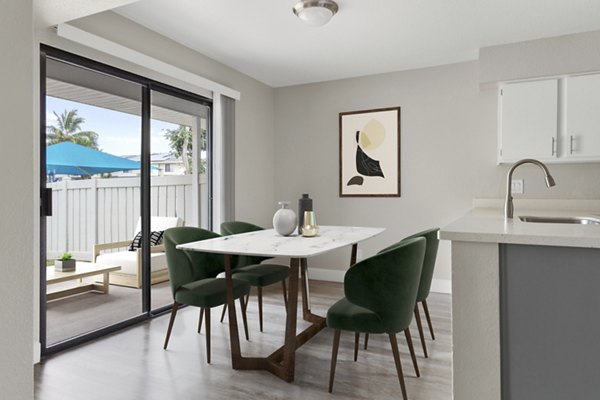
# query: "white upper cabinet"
528,123
553,120
582,115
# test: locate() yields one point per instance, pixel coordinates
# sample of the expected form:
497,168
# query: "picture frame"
369,148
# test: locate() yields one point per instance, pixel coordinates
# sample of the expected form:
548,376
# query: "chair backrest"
189,266
387,283
235,227
431,249
159,223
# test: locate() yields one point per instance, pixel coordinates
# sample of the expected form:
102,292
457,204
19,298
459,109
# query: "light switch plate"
517,186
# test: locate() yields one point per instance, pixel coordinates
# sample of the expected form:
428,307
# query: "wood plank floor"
132,364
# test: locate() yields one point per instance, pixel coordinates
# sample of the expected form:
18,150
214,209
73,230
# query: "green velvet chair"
431,236
250,269
193,278
381,293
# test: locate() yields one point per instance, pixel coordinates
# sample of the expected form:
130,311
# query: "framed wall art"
370,153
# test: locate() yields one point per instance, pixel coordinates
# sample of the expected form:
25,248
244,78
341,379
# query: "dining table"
268,243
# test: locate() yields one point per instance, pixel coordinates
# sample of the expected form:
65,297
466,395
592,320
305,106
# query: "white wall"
448,155
17,205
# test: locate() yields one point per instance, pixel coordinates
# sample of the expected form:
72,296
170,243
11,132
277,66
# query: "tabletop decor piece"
304,204
370,153
65,263
309,227
284,220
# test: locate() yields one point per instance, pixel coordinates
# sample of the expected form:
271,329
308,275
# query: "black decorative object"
304,204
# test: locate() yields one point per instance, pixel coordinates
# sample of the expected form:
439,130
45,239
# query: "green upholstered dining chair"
431,237
381,293
193,278
250,269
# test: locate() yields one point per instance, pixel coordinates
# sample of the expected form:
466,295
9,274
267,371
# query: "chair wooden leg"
334,353
171,320
426,309
243,306
260,314
284,293
366,340
224,310
200,319
418,319
207,316
396,353
356,340
412,351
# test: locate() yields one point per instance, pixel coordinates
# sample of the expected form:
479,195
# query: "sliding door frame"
147,85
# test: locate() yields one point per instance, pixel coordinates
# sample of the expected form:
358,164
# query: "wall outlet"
517,186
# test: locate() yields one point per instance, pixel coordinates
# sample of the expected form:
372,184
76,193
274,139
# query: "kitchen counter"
512,271
487,225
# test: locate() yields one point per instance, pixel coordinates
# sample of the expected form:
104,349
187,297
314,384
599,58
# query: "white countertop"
269,243
487,225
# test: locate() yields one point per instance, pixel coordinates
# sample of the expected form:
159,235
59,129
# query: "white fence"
85,212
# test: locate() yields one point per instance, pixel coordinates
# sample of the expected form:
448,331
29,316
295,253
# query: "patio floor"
74,315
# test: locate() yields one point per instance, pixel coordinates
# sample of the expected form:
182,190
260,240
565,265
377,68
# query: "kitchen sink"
561,220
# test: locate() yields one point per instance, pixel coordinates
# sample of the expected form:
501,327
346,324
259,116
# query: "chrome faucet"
508,204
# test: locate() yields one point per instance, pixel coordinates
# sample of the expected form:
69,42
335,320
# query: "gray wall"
561,55
448,153
17,205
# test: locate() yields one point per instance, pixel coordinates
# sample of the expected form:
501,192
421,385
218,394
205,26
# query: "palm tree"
69,130
180,141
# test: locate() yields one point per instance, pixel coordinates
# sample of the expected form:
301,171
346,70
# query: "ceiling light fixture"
315,12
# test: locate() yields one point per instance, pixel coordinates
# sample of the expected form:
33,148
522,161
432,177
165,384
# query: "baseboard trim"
333,275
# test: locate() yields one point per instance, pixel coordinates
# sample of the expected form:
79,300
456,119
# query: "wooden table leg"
289,347
305,288
353,254
236,353
282,361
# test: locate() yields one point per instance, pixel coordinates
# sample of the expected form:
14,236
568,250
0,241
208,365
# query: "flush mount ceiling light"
315,12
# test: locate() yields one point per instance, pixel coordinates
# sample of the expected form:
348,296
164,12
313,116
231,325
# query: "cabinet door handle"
571,145
553,145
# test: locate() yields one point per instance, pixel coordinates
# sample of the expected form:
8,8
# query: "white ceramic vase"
284,220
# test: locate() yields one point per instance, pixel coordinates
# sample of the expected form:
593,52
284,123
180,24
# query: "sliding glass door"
123,158
179,189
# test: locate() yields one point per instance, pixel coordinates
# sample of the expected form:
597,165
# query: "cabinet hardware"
571,145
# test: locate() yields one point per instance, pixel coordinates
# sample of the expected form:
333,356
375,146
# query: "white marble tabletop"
269,243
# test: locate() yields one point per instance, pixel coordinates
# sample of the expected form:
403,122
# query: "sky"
118,133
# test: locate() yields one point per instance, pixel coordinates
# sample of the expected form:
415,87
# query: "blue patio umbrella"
72,159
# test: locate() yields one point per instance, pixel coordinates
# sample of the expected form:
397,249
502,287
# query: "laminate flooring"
131,364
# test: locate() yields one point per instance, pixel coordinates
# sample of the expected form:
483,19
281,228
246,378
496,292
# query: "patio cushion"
155,239
159,223
129,262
